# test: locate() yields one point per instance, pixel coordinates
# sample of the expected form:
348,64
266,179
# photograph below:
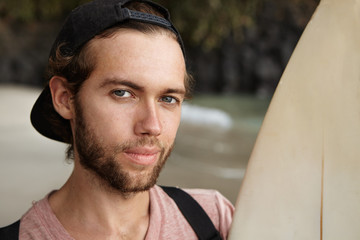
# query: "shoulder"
213,202
209,196
39,222
219,209
32,223
32,218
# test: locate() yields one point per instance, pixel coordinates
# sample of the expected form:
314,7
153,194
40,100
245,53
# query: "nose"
148,121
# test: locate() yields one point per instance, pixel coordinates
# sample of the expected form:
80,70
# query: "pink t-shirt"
166,220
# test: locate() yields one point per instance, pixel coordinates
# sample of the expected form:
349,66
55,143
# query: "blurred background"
236,51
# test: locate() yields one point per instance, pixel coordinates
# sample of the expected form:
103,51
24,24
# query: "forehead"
133,55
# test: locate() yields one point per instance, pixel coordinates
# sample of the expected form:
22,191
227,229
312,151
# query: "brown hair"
78,67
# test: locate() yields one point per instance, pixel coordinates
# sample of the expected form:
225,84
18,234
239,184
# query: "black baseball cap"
83,24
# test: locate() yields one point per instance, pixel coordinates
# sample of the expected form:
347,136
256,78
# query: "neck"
85,203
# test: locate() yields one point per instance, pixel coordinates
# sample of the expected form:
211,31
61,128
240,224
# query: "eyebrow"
108,82
174,90
115,81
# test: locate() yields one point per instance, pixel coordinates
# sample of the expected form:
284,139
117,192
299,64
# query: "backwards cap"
83,24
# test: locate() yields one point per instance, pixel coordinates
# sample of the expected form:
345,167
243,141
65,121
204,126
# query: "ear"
61,97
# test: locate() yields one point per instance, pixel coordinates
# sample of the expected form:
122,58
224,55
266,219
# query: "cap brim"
41,112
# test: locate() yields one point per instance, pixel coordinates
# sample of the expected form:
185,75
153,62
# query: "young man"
117,79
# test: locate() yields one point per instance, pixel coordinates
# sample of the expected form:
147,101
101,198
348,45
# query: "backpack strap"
10,232
194,214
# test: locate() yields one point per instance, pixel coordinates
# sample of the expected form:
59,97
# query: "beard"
102,161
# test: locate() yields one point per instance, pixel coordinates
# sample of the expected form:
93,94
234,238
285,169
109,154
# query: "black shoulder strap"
194,214
10,232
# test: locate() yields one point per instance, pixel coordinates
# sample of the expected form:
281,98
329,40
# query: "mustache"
140,142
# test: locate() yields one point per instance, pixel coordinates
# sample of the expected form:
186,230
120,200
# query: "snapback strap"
126,13
194,214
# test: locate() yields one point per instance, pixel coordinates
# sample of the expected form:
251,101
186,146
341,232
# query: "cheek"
170,125
110,125
119,124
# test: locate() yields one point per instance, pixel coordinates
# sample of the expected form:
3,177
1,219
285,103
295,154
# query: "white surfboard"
303,177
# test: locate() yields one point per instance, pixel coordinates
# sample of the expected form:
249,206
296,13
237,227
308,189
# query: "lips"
143,155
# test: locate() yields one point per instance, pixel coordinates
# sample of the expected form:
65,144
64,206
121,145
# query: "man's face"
128,110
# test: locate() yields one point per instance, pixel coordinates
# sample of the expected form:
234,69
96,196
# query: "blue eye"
168,99
122,93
